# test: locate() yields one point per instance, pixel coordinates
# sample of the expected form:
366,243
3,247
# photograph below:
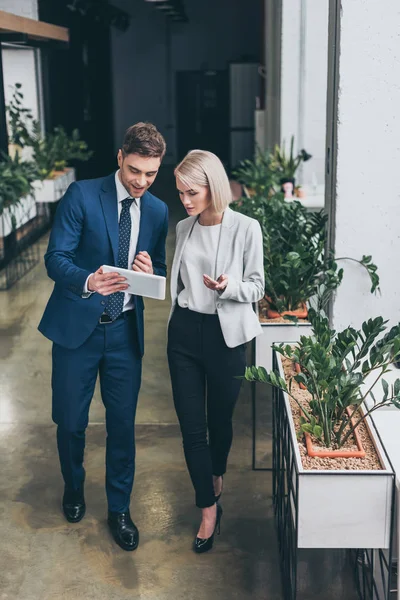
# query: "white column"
367,210
304,65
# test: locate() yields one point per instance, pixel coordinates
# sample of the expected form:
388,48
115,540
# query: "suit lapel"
224,246
109,203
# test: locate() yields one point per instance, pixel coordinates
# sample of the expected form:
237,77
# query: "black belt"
105,319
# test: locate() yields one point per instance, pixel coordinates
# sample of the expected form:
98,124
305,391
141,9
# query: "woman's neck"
208,218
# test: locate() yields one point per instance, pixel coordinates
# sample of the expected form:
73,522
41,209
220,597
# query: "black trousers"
205,391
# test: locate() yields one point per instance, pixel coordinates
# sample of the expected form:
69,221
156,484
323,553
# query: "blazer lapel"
224,246
180,246
109,203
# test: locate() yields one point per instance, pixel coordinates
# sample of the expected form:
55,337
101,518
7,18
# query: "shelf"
13,24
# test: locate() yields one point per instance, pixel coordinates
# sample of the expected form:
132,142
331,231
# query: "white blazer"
240,256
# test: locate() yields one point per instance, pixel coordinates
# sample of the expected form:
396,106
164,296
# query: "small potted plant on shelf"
286,166
54,153
325,407
257,176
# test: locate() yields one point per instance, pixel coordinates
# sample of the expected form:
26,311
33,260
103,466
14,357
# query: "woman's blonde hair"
200,167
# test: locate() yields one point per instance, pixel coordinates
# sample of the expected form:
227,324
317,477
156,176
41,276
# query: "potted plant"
286,166
17,204
257,176
298,268
340,373
297,263
54,153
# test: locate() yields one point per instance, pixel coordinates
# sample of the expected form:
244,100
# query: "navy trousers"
112,351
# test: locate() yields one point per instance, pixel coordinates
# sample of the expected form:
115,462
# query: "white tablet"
141,284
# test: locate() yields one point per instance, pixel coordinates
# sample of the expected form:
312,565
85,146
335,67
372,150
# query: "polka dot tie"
115,302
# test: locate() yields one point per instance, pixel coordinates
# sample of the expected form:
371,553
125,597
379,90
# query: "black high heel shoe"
204,545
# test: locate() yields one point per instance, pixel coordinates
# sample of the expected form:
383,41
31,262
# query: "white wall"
19,67
368,191
22,8
217,32
304,82
19,63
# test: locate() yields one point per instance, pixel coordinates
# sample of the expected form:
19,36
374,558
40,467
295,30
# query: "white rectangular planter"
341,509
276,332
23,212
51,190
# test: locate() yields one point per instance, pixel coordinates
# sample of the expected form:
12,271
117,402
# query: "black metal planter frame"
373,574
18,251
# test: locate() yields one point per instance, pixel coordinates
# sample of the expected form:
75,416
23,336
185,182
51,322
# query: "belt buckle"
105,319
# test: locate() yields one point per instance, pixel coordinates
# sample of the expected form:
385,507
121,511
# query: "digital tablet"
141,284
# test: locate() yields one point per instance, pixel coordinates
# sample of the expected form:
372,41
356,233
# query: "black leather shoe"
124,530
73,505
204,545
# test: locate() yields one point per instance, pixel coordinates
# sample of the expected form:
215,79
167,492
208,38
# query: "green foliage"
297,264
19,118
286,166
56,150
16,179
339,370
51,151
258,175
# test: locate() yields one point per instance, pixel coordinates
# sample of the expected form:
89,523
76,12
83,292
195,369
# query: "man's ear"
120,158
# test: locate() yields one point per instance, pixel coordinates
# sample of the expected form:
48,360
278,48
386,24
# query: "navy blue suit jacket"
83,238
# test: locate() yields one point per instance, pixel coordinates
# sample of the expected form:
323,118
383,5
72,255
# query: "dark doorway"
78,84
202,103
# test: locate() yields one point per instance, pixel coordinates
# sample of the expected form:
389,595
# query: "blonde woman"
217,274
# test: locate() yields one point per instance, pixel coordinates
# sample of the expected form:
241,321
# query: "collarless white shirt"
199,257
135,224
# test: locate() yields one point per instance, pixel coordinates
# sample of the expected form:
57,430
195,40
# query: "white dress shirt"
135,219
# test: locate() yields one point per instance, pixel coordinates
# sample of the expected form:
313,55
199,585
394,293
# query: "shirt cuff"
86,293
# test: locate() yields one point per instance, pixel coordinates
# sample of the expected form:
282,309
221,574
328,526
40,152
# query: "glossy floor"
42,557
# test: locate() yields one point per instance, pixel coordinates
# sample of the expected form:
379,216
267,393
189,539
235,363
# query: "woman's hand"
218,285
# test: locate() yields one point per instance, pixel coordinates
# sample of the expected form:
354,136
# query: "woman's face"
195,199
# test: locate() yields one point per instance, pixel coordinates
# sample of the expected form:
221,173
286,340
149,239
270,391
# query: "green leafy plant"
16,181
286,166
296,261
257,175
51,151
19,118
340,371
55,151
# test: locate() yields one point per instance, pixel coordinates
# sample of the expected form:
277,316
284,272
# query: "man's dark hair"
144,139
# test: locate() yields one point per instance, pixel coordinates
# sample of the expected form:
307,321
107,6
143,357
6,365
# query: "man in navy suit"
95,325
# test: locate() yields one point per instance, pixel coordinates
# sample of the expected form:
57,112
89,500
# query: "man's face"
137,172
